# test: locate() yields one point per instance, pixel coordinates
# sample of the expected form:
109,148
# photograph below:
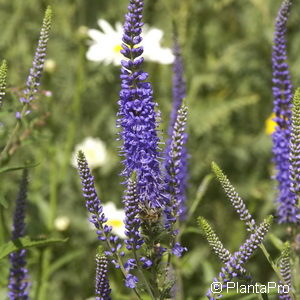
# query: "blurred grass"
227,53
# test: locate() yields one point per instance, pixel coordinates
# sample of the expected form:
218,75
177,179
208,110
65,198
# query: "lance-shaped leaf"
25,243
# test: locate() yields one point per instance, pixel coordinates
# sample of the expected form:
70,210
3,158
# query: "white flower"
49,65
62,223
94,150
115,218
106,45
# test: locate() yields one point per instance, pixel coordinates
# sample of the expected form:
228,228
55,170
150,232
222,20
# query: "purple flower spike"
282,93
102,284
132,220
35,73
93,203
179,89
178,96
94,207
234,268
137,116
18,274
174,166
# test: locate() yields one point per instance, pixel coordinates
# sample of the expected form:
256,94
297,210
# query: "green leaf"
3,202
276,241
25,243
9,169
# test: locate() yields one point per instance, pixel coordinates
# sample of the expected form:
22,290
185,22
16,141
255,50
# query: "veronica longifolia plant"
150,206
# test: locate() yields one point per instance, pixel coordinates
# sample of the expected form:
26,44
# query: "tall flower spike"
178,96
102,283
18,274
236,201
3,75
132,221
286,272
282,94
94,207
295,152
214,241
93,203
174,207
235,266
137,115
179,89
35,73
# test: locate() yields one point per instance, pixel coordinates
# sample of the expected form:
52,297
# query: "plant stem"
14,132
275,268
140,270
199,196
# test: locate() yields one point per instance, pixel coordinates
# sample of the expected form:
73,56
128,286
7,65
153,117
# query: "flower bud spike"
3,77
214,241
236,201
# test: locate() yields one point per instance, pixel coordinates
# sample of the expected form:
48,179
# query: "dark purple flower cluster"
234,268
102,283
132,220
179,89
94,207
179,92
282,93
18,274
93,203
137,115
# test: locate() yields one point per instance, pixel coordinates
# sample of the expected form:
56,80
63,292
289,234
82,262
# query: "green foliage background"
226,48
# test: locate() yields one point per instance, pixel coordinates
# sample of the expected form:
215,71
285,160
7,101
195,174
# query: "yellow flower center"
118,48
115,223
270,124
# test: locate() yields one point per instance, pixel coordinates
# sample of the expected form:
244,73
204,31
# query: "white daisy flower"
115,218
62,223
106,45
94,150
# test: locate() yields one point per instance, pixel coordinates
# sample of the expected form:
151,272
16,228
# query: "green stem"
43,282
47,253
53,195
275,268
117,257
140,270
199,196
3,227
75,110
